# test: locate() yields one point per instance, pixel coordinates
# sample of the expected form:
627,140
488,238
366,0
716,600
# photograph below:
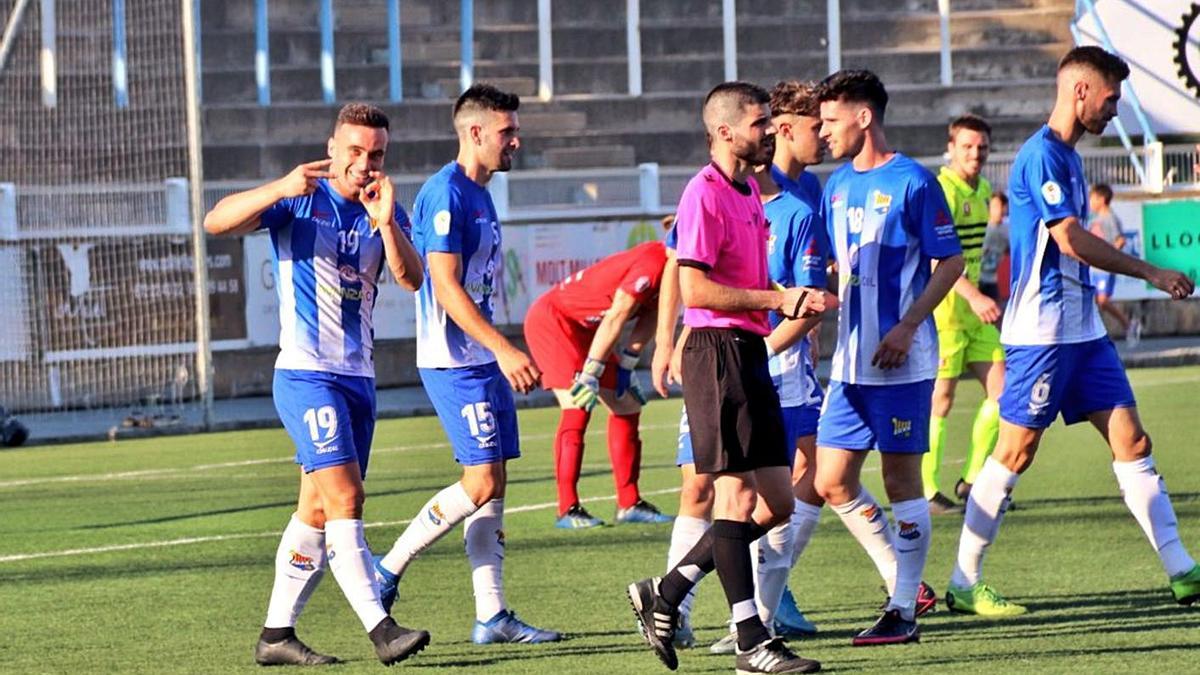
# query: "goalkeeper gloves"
586,390
627,379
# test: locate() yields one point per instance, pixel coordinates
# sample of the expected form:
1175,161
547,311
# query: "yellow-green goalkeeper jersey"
969,208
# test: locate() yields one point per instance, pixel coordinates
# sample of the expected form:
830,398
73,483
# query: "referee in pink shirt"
736,422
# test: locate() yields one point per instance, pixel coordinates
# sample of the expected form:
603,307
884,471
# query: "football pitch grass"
155,555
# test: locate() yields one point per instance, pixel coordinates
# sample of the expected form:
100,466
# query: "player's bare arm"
623,308
894,347
664,335
1075,241
444,272
378,198
698,290
788,333
984,307
239,213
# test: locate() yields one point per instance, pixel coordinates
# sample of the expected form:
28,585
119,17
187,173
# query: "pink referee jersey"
722,230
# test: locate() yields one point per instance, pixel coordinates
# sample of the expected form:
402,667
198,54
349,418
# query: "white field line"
288,459
258,535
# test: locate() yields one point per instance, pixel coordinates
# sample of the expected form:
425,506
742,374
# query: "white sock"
805,518
989,499
869,525
439,515
1146,496
686,531
484,538
773,555
913,534
350,560
299,565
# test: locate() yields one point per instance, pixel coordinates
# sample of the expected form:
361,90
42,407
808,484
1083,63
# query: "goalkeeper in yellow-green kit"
966,319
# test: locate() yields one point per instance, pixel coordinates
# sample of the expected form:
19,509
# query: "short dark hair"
1105,192
483,96
1096,59
792,97
858,86
724,103
361,115
969,121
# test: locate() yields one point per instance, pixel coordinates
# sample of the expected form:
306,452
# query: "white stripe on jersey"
287,301
330,336
1029,321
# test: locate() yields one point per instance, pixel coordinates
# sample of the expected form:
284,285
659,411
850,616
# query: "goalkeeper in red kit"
574,333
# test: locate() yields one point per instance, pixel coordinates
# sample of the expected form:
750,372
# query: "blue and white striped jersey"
454,214
795,258
327,264
884,225
1052,300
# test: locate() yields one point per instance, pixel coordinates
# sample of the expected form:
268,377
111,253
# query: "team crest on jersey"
302,562
907,530
1052,193
901,428
966,208
771,245
441,223
881,203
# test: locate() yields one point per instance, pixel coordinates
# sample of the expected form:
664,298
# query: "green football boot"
1186,587
983,600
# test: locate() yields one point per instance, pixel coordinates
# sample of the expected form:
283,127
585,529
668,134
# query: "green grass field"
155,555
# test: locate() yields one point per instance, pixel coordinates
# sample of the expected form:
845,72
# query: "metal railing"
520,196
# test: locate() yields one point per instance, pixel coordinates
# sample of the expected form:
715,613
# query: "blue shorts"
1041,381
1106,283
476,408
887,417
798,421
330,417
683,453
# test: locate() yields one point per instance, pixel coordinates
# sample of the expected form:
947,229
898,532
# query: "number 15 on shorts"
481,421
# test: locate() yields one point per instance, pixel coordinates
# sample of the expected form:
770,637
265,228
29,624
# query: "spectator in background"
1104,224
995,247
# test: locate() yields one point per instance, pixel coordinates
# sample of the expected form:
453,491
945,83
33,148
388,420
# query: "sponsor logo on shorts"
642,283
348,273
901,428
302,562
907,530
435,514
870,513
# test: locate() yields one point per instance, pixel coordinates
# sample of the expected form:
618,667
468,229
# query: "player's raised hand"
893,349
302,180
985,308
1175,284
518,369
378,198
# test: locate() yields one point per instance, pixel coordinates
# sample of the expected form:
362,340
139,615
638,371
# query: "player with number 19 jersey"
327,263
474,401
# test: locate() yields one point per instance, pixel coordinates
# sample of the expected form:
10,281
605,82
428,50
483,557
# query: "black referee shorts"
732,406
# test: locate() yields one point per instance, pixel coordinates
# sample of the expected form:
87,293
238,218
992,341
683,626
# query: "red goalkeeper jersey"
584,296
